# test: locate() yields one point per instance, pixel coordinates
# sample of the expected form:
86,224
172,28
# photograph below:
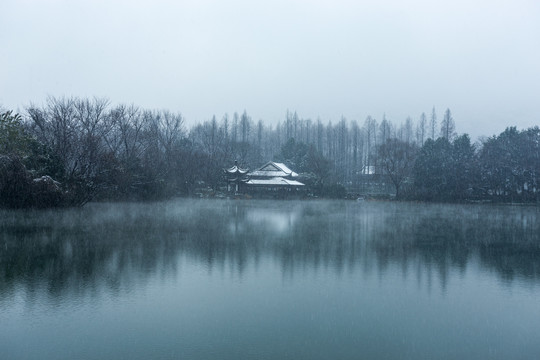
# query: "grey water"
224,279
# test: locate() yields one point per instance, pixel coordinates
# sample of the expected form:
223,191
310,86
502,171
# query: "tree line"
72,150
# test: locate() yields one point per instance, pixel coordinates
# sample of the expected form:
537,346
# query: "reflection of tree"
86,251
504,239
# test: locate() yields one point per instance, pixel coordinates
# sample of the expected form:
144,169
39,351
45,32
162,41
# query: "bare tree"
385,129
433,124
448,127
126,140
90,115
421,130
74,130
320,131
397,158
369,131
356,147
408,130
308,131
235,128
245,124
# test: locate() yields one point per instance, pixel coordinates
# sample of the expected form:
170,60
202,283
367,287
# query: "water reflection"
115,247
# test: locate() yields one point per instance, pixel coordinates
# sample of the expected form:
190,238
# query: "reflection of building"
272,179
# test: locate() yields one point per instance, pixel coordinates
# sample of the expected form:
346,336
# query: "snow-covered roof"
235,169
275,181
236,179
273,169
285,169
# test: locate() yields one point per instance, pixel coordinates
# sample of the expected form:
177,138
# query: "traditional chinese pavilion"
236,177
272,179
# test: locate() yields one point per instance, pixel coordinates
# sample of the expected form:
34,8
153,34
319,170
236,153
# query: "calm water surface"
204,279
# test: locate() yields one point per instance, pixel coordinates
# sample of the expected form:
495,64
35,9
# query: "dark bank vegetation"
73,150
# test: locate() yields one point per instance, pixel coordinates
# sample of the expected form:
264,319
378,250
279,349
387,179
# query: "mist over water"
270,280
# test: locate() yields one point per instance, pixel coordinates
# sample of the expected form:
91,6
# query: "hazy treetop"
320,58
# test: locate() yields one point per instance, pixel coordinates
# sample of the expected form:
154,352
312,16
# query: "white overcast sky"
327,59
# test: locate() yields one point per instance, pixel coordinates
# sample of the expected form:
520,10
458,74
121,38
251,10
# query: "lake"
225,279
